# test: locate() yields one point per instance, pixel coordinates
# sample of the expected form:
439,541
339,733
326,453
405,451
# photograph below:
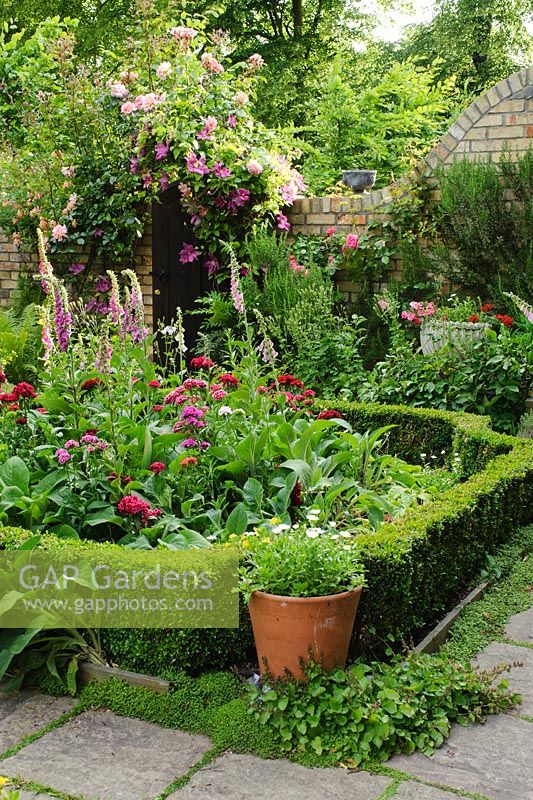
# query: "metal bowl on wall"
359,180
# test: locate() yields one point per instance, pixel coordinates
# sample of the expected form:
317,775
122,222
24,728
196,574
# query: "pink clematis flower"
188,254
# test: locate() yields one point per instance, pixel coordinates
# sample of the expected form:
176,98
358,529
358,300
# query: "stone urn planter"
289,631
436,334
359,180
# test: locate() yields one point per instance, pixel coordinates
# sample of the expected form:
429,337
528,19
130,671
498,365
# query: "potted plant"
458,324
359,180
303,588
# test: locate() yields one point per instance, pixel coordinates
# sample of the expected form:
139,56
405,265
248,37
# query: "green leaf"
14,472
238,520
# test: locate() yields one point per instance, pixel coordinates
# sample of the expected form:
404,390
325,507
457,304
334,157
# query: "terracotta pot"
289,630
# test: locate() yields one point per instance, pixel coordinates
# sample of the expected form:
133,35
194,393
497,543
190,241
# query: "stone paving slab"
243,777
419,791
520,627
33,796
101,756
493,759
22,713
520,678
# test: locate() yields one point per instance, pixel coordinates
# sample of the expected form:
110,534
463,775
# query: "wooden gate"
175,284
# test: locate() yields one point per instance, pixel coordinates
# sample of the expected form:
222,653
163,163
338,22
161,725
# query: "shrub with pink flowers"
89,150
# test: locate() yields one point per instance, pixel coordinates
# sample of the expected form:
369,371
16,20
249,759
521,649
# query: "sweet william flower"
156,467
189,461
24,390
224,411
63,455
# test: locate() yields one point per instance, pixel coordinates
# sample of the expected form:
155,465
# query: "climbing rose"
128,107
210,63
118,90
254,167
59,232
330,232
163,71
256,61
241,98
352,241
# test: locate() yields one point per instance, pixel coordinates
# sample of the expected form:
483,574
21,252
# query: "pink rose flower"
164,70
254,167
59,233
128,107
210,63
256,61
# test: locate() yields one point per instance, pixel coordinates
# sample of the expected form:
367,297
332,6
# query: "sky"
390,30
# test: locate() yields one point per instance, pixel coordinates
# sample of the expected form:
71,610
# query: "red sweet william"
473,318
157,467
201,362
24,390
330,413
227,379
89,384
505,319
132,505
487,308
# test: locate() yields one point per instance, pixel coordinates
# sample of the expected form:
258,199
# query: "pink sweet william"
62,455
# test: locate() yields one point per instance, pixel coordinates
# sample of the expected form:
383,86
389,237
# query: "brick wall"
500,119
11,260
503,117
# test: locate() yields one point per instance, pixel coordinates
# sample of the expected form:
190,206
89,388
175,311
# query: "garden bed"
415,566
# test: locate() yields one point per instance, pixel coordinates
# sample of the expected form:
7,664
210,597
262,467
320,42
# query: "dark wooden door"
175,284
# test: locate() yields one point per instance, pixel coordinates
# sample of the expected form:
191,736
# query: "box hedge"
415,566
